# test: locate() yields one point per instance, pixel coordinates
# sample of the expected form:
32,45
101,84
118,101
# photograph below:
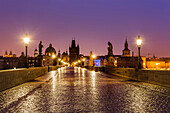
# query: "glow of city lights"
93,56
59,59
79,61
75,63
157,64
54,56
83,59
139,41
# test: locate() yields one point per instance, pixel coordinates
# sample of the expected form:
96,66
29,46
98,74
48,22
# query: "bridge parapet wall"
160,77
11,78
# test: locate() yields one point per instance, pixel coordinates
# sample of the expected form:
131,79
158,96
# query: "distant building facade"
158,63
122,61
65,57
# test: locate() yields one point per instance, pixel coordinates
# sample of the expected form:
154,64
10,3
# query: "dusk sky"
92,22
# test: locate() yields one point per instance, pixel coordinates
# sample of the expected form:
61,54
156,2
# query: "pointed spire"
10,52
6,54
126,44
73,44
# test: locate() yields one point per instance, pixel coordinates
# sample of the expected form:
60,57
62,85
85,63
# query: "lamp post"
58,61
139,43
93,56
54,59
26,41
83,61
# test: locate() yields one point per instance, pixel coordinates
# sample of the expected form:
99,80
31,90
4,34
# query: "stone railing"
13,77
160,77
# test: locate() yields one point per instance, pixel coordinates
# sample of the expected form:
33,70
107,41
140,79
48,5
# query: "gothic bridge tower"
74,52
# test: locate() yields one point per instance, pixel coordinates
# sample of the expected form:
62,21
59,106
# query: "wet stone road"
79,90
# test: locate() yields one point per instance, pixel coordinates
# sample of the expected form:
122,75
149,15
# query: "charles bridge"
75,83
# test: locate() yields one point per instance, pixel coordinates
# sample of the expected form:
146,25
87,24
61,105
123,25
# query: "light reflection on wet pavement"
79,90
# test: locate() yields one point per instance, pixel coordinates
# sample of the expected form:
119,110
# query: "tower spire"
126,51
126,44
6,54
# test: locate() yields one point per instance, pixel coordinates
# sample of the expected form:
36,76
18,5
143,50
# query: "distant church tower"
74,52
6,54
10,54
126,51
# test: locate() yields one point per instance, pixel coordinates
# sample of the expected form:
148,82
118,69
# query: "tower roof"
73,44
126,45
10,52
6,53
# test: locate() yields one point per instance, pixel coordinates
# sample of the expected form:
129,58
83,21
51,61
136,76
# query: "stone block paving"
79,90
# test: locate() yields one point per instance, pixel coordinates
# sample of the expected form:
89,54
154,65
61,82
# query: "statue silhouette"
110,49
40,48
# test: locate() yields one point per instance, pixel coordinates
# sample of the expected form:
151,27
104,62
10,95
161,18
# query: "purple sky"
92,22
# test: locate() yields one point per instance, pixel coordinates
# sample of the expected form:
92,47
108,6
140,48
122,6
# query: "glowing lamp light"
139,41
53,56
79,61
26,40
75,63
93,56
83,59
157,64
59,59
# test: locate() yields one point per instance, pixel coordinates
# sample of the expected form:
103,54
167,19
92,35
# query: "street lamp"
54,56
26,41
93,56
58,61
83,61
139,43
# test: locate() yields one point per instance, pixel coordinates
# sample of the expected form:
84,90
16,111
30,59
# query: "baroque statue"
40,48
110,49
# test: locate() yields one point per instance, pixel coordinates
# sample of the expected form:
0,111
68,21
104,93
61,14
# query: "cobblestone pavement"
71,89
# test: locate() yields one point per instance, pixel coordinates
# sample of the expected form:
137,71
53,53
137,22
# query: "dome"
50,50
